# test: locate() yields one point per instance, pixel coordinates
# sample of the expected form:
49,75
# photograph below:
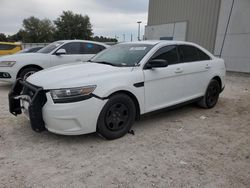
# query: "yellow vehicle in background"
8,48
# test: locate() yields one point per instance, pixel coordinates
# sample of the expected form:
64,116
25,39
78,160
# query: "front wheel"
25,73
116,117
212,95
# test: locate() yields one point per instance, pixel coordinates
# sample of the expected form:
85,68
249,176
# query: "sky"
109,18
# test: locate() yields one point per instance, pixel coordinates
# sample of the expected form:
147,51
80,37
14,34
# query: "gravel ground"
185,147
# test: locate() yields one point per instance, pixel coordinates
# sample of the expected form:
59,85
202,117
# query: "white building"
221,26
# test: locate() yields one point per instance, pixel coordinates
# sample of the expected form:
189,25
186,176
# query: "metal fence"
30,45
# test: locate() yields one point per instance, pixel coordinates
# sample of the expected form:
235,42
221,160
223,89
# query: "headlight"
7,63
72,94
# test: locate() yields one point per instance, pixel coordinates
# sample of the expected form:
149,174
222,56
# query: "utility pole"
139,30
131,37
116,37
124,37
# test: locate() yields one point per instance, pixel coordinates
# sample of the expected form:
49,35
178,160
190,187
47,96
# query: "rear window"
203,56
7,46
191,53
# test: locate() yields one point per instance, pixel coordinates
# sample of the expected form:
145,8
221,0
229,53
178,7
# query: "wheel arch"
28,66
218,79
133,97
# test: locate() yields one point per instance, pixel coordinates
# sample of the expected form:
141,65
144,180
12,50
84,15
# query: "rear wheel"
212,95
25,73
116,117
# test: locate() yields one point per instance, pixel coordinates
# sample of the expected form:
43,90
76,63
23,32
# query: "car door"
73,54
195,67
164,86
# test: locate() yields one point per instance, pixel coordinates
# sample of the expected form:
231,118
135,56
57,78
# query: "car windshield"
50,47
125,55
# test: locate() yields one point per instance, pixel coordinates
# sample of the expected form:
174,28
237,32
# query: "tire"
116,117
25,73
211,96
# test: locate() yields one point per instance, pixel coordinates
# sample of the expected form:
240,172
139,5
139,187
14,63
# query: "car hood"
74,75
23,57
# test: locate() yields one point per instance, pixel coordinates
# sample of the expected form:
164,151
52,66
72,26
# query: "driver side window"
168,53
72,48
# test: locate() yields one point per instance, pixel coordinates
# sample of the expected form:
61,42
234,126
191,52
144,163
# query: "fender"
137,92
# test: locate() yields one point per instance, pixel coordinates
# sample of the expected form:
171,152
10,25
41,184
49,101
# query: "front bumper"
36,98
8,74
66,118
75,118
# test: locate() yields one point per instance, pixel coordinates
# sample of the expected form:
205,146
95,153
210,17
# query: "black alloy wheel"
212,95
213,92
116,117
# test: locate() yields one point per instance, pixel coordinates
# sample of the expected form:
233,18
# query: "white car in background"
57,53
108,93
30,50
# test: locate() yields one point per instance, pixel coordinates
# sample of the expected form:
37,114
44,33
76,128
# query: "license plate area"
28,99
25,108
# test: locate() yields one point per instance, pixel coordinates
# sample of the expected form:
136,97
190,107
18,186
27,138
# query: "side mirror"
157,63
61,51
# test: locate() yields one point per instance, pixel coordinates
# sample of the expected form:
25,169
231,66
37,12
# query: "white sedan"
111,91
22,65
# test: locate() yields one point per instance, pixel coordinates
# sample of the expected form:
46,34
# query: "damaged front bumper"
24,92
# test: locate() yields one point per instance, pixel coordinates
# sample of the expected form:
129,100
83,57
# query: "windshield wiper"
108,63
103,62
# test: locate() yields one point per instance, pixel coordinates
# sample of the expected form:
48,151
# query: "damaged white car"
112,90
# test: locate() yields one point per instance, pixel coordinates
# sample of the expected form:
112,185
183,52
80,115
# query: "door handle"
207,66
178,71
78,60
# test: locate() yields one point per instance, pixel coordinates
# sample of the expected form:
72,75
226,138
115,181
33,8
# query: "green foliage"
104,39
36,30
73,26
67,26
3,37
12,38
16,37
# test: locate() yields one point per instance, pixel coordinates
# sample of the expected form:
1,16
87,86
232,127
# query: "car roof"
169,42
155,42
76,40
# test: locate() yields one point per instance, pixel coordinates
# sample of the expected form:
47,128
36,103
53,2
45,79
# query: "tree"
16,37
104,39
36,30
67,26
73,26
3,37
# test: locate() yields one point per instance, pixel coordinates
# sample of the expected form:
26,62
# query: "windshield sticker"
137,48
